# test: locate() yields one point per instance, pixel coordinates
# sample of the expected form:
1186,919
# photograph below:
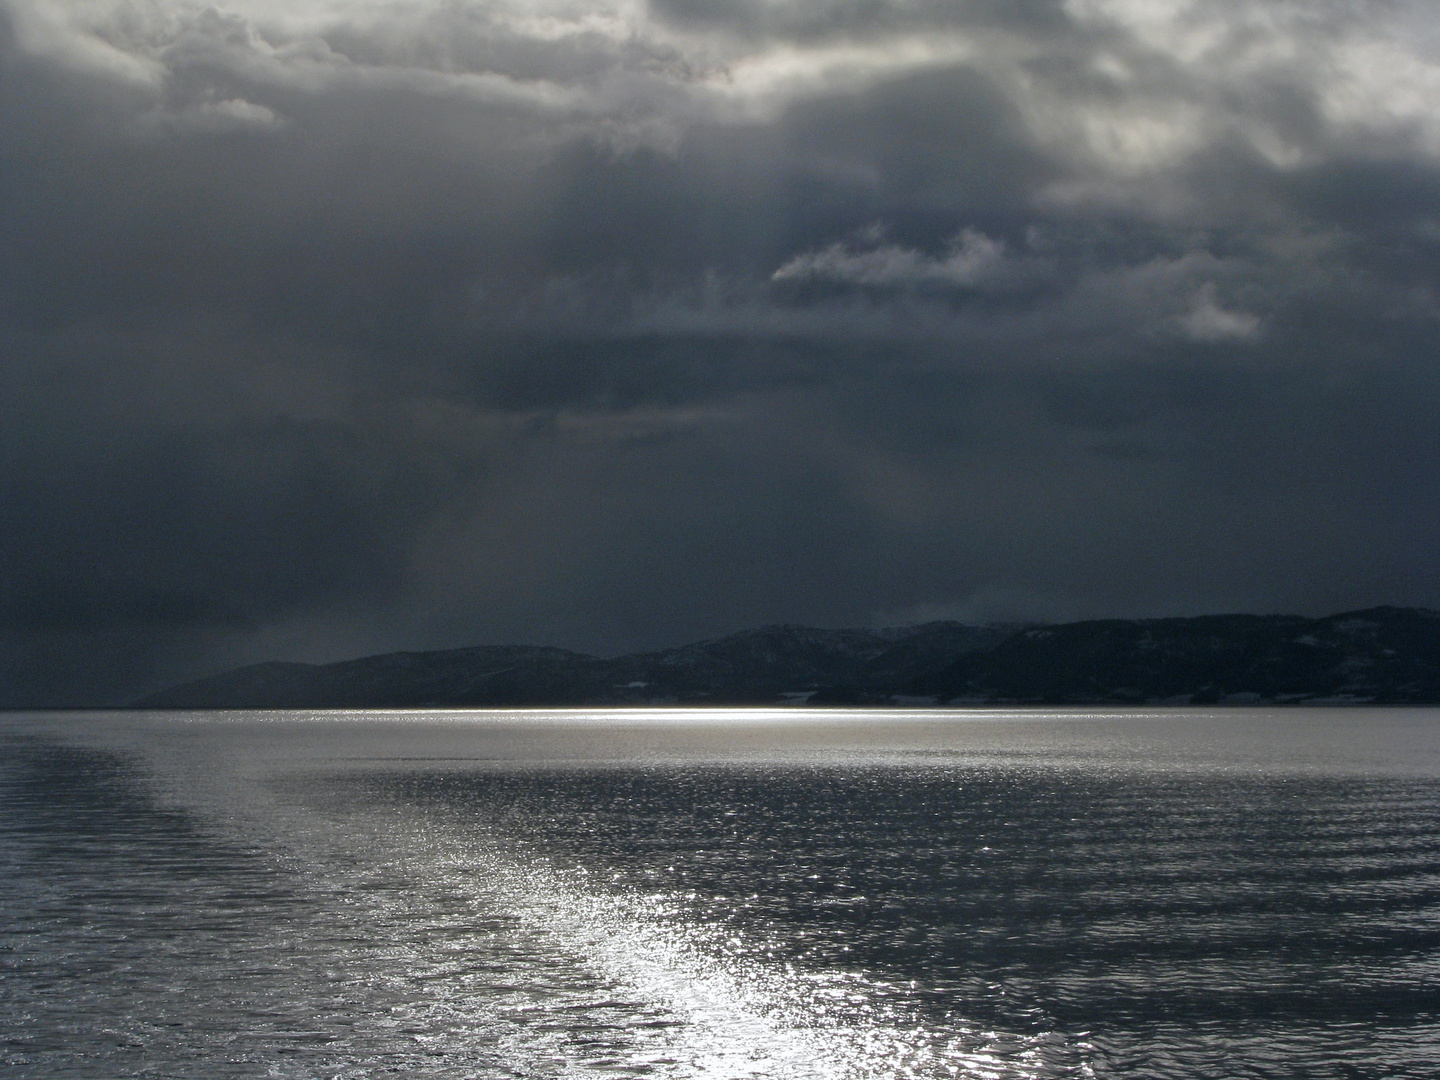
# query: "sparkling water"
788,894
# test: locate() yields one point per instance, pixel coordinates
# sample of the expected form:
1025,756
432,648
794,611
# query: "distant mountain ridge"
1382,655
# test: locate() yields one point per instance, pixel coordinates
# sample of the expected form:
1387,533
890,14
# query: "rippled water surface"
782,894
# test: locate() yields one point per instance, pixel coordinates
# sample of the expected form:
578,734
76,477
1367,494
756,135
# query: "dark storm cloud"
337,327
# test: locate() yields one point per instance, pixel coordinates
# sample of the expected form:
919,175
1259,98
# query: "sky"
334,327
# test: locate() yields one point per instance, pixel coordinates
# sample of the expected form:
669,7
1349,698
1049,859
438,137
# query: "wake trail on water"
446,945
601,982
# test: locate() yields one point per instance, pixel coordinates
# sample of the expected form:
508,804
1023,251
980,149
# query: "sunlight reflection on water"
664,994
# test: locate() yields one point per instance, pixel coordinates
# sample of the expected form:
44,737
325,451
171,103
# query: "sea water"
785,893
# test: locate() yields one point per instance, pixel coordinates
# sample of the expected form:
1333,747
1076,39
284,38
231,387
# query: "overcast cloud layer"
337,326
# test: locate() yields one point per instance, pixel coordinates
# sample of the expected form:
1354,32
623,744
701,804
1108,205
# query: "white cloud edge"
972,259
1209,322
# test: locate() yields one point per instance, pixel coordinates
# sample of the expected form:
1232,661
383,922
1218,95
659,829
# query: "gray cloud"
336,327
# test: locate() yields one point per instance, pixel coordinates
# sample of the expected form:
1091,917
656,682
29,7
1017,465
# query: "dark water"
771,895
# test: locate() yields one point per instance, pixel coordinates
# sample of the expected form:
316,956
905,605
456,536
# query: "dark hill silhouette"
1382,655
